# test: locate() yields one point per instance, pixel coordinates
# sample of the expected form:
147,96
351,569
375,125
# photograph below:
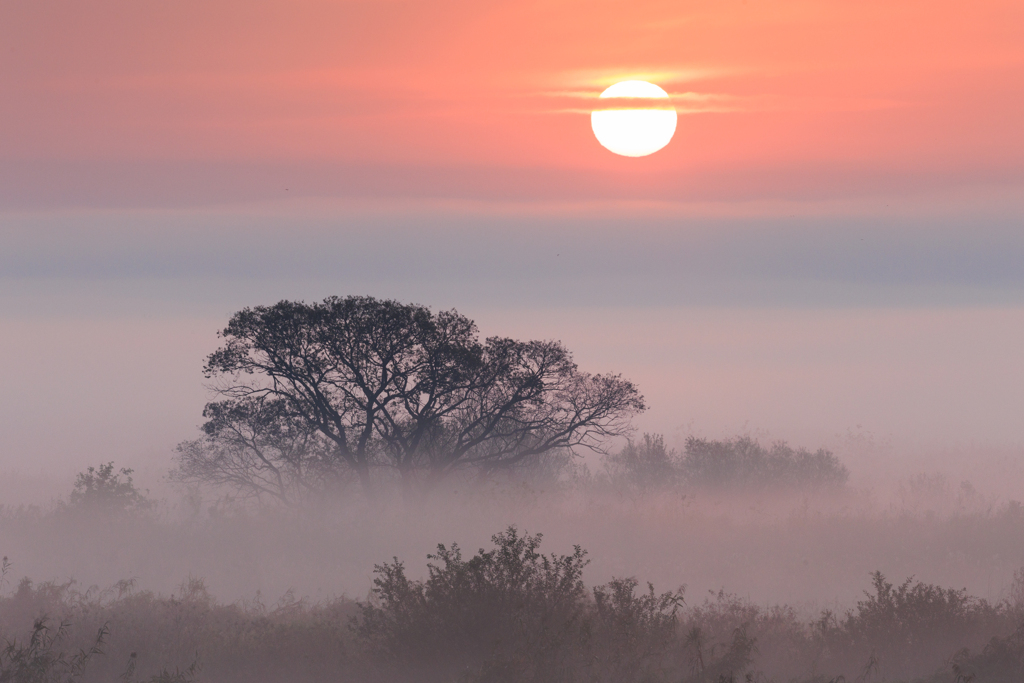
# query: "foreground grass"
508,613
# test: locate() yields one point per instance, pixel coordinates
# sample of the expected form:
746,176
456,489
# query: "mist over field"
349,341
915,405
737,552
952,526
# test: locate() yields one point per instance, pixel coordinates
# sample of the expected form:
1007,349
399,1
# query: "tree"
101,489
383,384
257,448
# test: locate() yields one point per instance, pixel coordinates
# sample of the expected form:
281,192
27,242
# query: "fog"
807,550
917,394
952,524
898,317
934,381
333,347
897,395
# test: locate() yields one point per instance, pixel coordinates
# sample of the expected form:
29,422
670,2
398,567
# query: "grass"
509,612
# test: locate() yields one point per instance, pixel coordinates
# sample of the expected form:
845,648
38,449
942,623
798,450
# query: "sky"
831,242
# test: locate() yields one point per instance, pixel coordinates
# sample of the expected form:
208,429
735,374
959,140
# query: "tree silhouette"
385,384
256,448
101,489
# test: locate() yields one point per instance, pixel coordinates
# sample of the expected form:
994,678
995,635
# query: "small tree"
102,489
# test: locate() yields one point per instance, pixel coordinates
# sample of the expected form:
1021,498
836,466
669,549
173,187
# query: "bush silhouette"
101,489
643,466
509,613
746,463
647,465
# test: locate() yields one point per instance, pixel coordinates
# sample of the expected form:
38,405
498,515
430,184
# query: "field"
762,585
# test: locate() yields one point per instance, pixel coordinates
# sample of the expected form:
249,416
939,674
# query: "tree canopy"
309,393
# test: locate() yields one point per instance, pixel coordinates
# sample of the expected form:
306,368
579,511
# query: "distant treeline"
642,466
740,463
506,614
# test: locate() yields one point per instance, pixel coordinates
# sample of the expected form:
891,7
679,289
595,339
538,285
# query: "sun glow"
644,123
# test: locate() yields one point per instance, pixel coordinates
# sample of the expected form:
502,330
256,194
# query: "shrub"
505,614
899,630
1001,661
100,489
744,462
643,466
635,634
158,639
40,659
509,614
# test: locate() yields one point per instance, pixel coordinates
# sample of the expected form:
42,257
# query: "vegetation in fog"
40,659
263,458
508,613
103,490
746,463
511,611
314,397
256,449
314,393
359,391
644,466
647,465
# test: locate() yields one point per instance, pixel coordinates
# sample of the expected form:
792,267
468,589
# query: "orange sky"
813,98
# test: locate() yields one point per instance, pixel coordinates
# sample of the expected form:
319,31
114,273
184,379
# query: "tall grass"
507,613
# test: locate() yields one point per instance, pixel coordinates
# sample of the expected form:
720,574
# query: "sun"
643,124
